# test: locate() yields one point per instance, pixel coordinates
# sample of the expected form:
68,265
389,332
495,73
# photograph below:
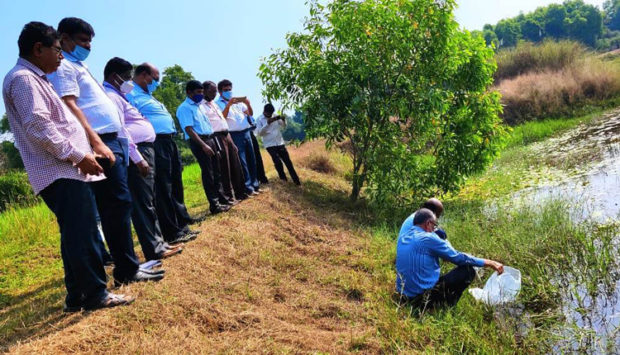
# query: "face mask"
197,98
127,87
152,86
227,95
80,53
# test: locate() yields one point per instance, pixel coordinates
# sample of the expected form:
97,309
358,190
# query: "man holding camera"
269,127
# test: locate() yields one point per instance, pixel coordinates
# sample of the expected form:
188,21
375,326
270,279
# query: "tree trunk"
358,181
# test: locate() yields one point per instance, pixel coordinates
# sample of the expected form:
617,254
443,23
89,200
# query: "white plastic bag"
499,289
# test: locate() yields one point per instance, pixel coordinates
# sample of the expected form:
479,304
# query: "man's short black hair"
423,215
34,32
74,25
143,68
223,83
207,84
116,65
192,85
269,108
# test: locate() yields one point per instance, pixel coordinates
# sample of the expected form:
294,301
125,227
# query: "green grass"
538,240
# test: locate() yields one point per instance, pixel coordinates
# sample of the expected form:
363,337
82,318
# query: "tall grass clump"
553,80
528,57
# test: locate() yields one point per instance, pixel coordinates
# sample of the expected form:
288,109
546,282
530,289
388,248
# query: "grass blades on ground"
305,270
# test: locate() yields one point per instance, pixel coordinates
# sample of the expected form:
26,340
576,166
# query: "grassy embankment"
306,270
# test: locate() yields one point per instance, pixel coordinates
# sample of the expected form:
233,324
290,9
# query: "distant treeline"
573,19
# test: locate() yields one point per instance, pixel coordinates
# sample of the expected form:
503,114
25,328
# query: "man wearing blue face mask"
169,197
238,111
87,100
198,131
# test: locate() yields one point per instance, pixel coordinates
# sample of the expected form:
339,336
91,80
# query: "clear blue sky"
211,39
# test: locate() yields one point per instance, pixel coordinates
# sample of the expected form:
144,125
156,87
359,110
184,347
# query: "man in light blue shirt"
88,101
169,195
238,111
432,204
418,277
197,129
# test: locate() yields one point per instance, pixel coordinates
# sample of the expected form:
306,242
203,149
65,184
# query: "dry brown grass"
554,93
319,162
276,274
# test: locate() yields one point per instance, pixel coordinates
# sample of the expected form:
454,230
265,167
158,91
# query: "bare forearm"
194,137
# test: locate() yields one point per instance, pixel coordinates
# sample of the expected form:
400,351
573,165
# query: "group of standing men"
106,152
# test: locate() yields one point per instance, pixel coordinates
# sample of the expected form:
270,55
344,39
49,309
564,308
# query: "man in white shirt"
87,100
233,181
269,127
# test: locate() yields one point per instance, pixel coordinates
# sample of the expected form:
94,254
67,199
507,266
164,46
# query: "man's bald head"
434,205
144,74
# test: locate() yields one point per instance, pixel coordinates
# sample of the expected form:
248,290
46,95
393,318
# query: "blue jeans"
114,205
243,141
72,202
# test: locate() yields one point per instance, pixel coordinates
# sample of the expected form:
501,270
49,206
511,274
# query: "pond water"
586,166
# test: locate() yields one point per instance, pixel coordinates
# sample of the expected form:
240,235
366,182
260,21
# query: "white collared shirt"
270,132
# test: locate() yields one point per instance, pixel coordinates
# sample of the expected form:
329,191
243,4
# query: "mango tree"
401,84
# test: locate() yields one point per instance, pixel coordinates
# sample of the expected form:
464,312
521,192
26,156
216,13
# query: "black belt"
243,130
165,135
112,135
206,137
145,144
221,134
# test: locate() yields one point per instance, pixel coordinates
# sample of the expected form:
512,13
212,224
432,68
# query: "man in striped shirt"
60,163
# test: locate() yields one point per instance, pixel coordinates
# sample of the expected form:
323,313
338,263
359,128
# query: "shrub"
11,157
15,190
551,94
530,58
320,163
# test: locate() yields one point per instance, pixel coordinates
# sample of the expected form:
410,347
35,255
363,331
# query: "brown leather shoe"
172,251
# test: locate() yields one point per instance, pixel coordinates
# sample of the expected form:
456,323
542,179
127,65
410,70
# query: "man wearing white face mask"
141,174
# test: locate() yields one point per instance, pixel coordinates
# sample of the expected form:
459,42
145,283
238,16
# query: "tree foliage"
295,128
400,84
573,19
612,14
171,91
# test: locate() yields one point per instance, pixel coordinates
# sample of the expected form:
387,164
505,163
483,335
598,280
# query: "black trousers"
210,172
279,154
448,289
73,203
260,168
233,181
114,206
144,214
169,198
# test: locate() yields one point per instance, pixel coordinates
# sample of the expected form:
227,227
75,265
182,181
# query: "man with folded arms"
238,111
88,101
117,76
230,166
197,129
169,195
60,163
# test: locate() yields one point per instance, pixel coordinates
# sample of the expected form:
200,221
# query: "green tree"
508,32
612,14
490,38
401,84
10,157
554,21
531,30
171,91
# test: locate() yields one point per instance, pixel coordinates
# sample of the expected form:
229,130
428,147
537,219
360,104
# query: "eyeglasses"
434,223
